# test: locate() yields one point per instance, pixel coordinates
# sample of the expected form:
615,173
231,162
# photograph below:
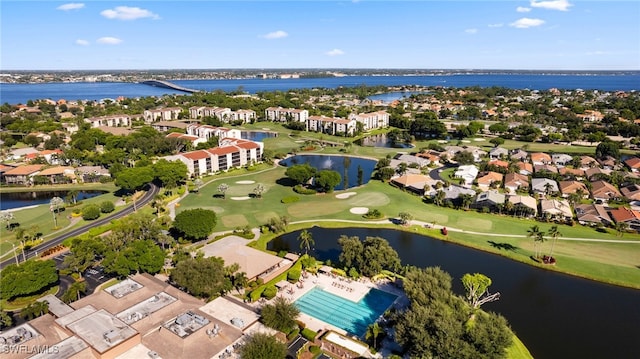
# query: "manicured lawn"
608,262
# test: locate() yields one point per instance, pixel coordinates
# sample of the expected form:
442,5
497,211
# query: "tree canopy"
262,346
300,174
369,257
170,173
281,315
195,224
326,180
29,278
131,179
202,277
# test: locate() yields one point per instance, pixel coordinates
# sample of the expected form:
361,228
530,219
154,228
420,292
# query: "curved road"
148,196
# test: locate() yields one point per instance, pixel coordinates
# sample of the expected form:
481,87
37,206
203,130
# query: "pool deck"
353,290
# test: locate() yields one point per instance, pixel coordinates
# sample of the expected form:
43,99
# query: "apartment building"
163,114
109,121
206,132
285,114
224,114
330,125
372,120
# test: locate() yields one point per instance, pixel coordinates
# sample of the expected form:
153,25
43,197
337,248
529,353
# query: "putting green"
234,220
214,208
369,199
475,224
304,210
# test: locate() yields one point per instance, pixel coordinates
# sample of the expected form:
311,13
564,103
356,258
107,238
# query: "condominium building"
206,131
109,121
162,114
286,114
331,126
372,120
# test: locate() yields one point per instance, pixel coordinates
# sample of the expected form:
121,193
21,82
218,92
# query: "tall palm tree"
535,233
373,331
438,200
259,190
54,206
554,233
306,240
223,188
621,227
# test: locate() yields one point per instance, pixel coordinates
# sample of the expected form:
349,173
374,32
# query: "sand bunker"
359,210
345,195
240,198
245,182
478,139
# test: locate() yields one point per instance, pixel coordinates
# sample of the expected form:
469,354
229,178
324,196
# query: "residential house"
453,192
590,116
592,172
163,114
230,153
4,168
519,155
372,120
195,140
90,174
604,191
558,209
22,175
537,168
540,158
633,163
489,199
516,181
477,152
592,214
569,187
57,175
561,159
588,162
486,179
628,216
19,154
631,192
286,114
524,168
467,172
116,131
524,205
499,163
608,163
498,153
567,171
417,183
544,186
431,156
411,160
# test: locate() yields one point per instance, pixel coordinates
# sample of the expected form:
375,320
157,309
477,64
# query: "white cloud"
526,22
82,42
471,31
128,13
335,52
70,6
561,5
523,9
107,40
496,25
275,35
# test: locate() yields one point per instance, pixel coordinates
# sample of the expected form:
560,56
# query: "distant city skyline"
138,35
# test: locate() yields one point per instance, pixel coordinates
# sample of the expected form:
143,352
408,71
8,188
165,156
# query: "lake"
555,315
347,166
381,140
13,200
257,135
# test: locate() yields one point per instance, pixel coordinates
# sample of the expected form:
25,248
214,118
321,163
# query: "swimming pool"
353,317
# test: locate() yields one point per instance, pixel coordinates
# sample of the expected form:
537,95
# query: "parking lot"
94,277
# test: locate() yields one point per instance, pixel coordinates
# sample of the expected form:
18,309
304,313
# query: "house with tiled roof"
487,178
631,192
57,175
537,168
540,158
592,214
20,153
498,153
561,159
498,163
628,216
608,162
524,205
489,199
22,175
51,156
604,191
417,183
524,168
588,162
553,208
633,163
452,192
569,187
516,181
91,174
544,186
595,171
519,155
567,171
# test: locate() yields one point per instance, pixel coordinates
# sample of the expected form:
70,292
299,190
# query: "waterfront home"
372,120
331,126
592,214
516,181
90,174
595,171
22,175
558,209
417,183
57,175
544,186
628,216
604,191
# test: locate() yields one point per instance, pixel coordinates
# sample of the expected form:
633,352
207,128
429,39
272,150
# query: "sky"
376,34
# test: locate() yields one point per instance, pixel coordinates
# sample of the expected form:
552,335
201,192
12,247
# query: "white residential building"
284,114
330,125
163,114
372,120
468,173
224,114
109,121
206,131
231,153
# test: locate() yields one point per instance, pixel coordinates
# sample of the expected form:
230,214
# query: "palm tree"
223,188
74,291
373,331
535,233
621,227
7,218
240,280
54,206
259,190
553,233
466,199
198,183
306,240
405,217
438,200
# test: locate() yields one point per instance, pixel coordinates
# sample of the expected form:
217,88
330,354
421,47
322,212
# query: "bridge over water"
168,85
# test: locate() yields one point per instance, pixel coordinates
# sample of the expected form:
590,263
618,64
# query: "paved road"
146,198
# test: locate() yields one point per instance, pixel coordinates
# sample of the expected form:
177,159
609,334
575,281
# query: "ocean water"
21,93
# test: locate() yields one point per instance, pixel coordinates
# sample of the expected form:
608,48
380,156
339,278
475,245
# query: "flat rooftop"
123,288
65,349
186,324
102,330
146,307
18,335
56,306
230,312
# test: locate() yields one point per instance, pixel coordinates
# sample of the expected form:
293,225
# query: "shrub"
294,274
303,190
308,262
290,199
294,333
107,207
314,349
281,254
256,294
270,292
373,214
309,334
353,273
90,212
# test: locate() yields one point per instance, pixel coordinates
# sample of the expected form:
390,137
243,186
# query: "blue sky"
109,35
